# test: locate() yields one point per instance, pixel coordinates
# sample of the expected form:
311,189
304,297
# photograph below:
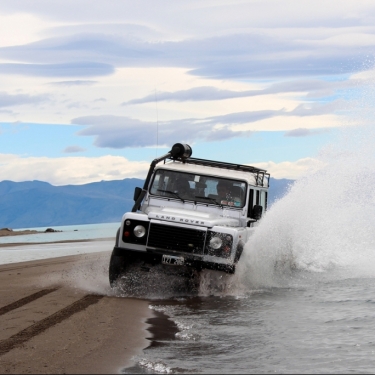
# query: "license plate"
173,260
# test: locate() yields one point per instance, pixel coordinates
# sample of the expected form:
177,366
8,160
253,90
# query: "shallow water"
66,232
321,326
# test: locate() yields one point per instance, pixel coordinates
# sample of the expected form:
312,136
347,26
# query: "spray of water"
326,221
156,282
89,272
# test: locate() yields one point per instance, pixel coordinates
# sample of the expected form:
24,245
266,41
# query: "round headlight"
139,231
216,243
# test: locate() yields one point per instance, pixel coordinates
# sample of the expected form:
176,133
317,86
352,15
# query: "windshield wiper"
171,192
211,199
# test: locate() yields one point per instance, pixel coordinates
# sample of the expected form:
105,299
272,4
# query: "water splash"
325,222
157,282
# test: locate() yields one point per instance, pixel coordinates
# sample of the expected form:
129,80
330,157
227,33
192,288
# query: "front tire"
117,266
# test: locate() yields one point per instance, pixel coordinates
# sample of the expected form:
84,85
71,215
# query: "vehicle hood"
190,217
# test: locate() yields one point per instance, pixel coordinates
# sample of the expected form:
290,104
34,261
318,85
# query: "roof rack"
219,164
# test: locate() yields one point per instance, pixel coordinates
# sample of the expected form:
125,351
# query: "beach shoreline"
6,232
12,244
58,316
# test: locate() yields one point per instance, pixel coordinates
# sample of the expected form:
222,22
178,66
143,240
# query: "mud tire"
117,266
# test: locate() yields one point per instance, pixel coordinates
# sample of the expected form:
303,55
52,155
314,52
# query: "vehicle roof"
250,177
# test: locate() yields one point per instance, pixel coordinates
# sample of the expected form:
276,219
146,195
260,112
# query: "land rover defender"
190,213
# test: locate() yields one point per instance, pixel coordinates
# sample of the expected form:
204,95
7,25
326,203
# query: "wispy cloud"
7,111
8,100
303,132
249,54
310,88
78,82
73,69
73,149
121,131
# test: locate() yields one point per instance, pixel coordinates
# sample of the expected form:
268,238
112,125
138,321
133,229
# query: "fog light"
139,231
216,243
128,222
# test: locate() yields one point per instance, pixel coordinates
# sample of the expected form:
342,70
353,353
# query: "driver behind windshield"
226,194
223,190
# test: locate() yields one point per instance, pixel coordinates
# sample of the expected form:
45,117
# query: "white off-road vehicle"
190,213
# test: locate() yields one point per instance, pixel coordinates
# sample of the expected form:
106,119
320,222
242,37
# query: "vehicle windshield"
199,188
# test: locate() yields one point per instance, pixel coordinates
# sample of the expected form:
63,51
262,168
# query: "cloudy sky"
94,90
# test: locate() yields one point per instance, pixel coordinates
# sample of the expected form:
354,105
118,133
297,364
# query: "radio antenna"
157,124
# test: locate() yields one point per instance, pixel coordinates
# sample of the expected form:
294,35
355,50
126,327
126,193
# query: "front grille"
186,240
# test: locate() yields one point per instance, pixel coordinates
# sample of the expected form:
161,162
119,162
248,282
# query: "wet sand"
56,316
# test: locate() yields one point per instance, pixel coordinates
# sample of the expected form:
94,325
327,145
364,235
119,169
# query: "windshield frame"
203,188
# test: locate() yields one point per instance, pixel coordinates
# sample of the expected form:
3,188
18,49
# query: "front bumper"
154,257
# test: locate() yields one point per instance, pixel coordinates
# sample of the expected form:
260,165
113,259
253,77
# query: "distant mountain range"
39,204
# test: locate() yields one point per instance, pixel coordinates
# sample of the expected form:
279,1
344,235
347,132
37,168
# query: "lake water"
67,232
46,245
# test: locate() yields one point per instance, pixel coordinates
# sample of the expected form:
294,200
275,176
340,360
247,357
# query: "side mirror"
257,212
137,193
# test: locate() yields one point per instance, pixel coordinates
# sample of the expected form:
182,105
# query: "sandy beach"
59,316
